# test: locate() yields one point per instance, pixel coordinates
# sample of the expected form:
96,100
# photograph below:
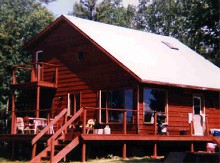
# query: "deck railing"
125,120
127,123
37,72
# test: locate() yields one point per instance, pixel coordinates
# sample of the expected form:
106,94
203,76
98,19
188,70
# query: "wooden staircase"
59,144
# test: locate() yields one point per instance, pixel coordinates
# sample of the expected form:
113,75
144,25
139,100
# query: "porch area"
75,132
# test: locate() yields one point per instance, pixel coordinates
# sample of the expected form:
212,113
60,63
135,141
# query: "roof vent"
171,46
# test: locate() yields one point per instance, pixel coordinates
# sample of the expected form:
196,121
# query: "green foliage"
19,21
194,22
85,9
108,11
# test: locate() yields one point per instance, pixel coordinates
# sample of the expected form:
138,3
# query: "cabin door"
74,103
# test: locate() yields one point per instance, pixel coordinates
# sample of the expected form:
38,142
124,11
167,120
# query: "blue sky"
64,6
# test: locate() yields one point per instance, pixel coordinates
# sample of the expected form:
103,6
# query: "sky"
60,7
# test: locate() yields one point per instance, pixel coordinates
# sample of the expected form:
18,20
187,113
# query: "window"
197,108
80,56
171,46
116,99
154,100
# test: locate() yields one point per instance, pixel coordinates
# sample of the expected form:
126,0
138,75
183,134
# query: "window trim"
202,103
69,102
111,90
166,105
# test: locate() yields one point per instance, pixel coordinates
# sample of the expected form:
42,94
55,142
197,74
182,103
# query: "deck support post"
84,152
124,151
155,151
34,150
192,147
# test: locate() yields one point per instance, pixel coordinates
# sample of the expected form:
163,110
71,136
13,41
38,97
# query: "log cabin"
127,80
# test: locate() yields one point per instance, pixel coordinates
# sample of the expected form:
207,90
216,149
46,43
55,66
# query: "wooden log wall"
180,103
82,67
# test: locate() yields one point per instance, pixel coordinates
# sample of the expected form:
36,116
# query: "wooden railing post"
33,74
191,128
124,122
38,72
207,126
84,121
155,123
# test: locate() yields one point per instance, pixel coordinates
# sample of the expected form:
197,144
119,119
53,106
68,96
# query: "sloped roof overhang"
62,18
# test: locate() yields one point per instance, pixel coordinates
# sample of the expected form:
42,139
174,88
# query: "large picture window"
154,100
116,99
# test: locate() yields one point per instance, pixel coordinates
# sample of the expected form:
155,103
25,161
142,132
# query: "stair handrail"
47,128
64,127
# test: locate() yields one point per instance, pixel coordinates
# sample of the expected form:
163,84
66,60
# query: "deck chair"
38,126
20,125
90,125
198,125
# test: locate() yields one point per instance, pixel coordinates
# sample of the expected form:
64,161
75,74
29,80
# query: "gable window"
154,100
114,101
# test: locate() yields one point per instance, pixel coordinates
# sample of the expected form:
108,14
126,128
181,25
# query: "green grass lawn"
114,159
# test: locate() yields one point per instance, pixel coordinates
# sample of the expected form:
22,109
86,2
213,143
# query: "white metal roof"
147,55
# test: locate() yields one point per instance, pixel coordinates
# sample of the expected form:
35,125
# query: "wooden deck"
21,137
34,84
134,137
118,137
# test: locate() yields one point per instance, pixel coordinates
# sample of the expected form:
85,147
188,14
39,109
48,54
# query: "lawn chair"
198,125
20,125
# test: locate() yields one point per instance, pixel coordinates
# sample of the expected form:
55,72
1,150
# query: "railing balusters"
38,72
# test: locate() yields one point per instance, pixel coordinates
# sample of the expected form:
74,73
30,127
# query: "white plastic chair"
198,125
20,124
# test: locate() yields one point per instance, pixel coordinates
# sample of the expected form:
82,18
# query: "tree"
19,21
194,22
85,9
108,11
113,12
